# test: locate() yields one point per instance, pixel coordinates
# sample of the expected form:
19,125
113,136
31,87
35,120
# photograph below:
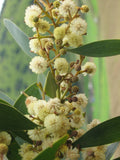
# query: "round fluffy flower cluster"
55,119
78,26
38,65
67,8
61,66
5,140
68,29
31,13
89,68
94,153
70,34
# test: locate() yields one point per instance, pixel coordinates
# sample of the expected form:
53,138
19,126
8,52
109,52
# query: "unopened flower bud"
74,99
3,148
84,114
78,67
56,4
84,9
36,19
70,100
30,99
60,155
49,45
75,89
58,78
58,42
77,112
64,85
74,79
42,53
55,13
62,51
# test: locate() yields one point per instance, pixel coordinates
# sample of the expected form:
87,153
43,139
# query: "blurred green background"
14,73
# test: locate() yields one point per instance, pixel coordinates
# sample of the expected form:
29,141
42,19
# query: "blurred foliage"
98,92
14,72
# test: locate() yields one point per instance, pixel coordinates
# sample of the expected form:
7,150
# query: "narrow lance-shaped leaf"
11,119
50,85
102,48
50,152
104,133
41,78
20,102
13,151
20,37
5,99
21,135
111,150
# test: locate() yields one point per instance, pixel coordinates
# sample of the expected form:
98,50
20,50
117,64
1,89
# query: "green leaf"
20,37
11,119
41,78
13,151
31,91
101,104
22,135
50,86
19,140
5,99
2,101
102,48
117,158
51,151
111,150
104,133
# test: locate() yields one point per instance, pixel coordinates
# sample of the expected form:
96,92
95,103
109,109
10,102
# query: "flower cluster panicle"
57,26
